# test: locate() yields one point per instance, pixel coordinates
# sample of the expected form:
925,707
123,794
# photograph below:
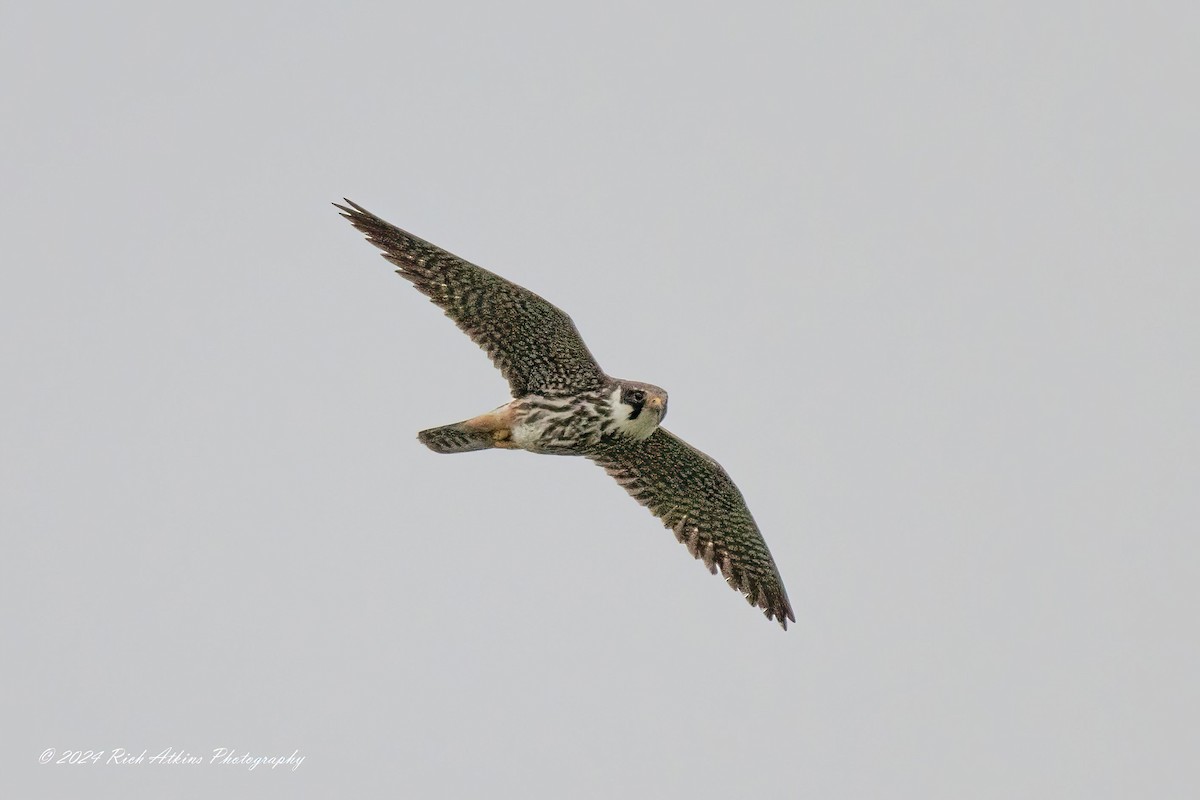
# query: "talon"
500,434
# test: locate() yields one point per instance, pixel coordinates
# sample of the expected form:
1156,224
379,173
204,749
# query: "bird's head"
638,408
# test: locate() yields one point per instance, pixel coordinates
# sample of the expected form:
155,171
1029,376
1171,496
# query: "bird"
565,404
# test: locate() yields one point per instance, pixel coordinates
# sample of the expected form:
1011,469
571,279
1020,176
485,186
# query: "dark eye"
635,397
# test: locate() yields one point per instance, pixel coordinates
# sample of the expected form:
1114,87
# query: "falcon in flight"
564,404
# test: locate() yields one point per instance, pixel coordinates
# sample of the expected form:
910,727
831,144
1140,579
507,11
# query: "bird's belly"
564,427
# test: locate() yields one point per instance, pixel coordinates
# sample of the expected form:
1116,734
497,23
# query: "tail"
456,438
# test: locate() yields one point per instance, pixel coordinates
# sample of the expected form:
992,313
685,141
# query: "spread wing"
693,496
533,344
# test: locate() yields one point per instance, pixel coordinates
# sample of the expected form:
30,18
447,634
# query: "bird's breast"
568,425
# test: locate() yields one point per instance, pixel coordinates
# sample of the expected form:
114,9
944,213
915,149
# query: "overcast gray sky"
922,276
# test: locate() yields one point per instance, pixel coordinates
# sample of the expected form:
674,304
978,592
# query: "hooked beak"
658,406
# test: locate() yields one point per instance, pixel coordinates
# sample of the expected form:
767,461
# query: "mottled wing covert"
694,497
533,344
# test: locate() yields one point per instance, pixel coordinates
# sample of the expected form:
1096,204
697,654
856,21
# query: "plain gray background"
922,276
